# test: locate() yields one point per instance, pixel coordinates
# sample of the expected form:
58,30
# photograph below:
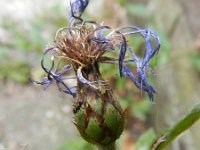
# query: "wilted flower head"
79,49
83,45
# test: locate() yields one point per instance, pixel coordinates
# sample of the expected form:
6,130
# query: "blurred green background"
32,119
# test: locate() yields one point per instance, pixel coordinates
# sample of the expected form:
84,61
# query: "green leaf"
171,134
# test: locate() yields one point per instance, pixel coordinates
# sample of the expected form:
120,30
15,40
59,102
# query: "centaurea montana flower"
86,42
80,48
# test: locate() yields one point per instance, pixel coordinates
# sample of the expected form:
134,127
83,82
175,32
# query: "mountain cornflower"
79,49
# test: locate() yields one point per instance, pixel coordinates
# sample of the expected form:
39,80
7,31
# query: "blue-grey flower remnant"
79,49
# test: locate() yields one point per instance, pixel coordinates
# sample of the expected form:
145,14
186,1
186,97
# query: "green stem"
185,123
107,147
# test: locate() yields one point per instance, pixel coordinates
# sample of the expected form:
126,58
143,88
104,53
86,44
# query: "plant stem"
107,147
185,123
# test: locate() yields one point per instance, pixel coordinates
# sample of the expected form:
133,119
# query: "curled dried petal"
83,80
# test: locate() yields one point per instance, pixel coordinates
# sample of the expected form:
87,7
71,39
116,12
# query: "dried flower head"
84,43
80,48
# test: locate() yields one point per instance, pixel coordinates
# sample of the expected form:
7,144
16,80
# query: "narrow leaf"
171,134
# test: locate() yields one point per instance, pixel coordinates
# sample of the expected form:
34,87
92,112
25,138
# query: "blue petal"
100,40
65,69
134,30
150,51
43,82
142,64
122,53
47,81
134,57
128,73
66,89
78,7
142,81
